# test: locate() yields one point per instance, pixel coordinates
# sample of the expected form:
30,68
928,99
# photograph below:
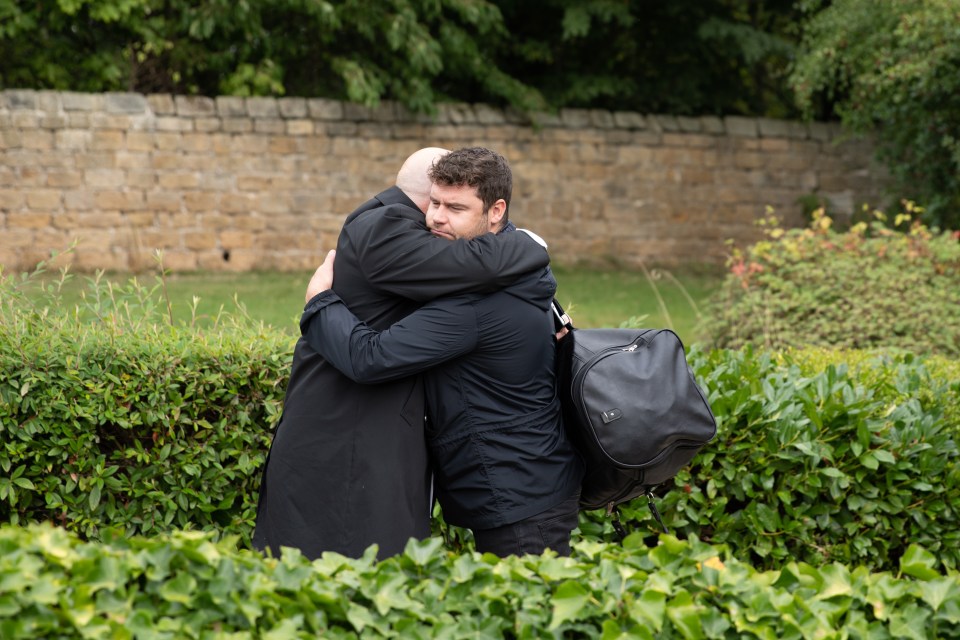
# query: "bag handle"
560,319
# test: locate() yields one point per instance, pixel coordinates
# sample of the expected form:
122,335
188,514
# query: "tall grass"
593,297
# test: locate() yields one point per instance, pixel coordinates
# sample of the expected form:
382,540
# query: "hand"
323,277
560,334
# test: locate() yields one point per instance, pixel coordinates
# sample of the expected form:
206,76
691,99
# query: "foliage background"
685,56
891,69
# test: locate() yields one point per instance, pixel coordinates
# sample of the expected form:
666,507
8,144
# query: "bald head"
412,177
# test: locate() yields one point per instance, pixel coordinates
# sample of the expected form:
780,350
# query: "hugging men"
352,468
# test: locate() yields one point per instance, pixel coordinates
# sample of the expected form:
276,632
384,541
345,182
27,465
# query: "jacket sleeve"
437,332
399,255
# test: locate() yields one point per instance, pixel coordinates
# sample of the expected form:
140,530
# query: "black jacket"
495,432
348,465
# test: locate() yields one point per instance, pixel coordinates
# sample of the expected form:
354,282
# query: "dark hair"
486,171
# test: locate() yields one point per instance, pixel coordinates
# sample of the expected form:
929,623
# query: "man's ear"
495,214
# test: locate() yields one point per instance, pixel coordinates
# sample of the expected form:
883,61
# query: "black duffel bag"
632,408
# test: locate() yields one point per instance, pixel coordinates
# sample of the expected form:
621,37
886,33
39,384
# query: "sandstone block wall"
233,183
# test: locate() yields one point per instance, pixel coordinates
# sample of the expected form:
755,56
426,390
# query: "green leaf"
94,498
935,592
884,456
288,628
910,622
569,600
45,590
919,563
649,609
180,588
423,551
685,616
612,631
836,582
24,482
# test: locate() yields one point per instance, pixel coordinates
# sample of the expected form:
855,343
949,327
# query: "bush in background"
869,287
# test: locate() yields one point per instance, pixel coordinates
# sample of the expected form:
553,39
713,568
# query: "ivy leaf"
288,628
45,590
919,563
910,622
568,601
649,609
180,589
935,592
685,616
836,582
423,551
555,569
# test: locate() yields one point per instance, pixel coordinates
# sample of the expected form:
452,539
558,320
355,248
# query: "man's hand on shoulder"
322,278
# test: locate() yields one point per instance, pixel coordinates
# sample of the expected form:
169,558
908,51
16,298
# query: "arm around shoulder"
401,256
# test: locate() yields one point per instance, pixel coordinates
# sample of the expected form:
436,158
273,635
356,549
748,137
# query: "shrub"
869,287
128,420
185,585
819,461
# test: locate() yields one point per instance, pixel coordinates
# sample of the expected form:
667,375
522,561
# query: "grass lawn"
593,298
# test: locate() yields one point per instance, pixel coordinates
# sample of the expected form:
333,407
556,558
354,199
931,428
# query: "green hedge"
131,423
820,460
185,585
111,416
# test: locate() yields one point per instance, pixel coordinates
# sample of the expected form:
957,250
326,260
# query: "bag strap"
613,512
560,318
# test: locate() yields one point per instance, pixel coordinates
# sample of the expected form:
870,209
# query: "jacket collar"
394,195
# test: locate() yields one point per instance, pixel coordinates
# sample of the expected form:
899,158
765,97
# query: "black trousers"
549,529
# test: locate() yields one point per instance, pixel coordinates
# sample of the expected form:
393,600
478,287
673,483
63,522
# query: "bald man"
348,466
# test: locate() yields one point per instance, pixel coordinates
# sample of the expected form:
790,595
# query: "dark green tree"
682,57
360,50
891,69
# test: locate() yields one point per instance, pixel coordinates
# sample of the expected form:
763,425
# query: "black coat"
348,466
495,430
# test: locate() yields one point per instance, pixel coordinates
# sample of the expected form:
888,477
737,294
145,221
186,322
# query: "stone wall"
262,183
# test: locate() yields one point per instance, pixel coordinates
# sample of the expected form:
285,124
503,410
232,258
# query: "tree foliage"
360,50
892,68
681,57
685,56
